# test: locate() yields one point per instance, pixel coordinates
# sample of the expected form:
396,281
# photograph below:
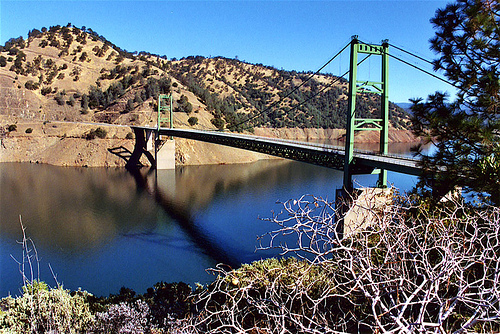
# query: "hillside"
74,74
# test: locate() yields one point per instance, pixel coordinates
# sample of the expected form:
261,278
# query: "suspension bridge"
346,159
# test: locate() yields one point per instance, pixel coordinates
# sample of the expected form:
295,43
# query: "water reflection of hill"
76,208
86,207
70,207
197,186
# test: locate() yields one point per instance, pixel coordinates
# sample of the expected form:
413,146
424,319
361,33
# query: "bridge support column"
161,157
359,209
140,148
165,155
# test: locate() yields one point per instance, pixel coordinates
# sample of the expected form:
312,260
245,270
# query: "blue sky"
293,35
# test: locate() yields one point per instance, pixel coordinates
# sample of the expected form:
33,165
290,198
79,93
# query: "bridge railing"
330,147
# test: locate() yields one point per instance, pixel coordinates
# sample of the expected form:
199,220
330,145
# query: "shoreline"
68,144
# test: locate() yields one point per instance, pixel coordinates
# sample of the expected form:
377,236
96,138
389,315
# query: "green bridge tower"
363,124
165,112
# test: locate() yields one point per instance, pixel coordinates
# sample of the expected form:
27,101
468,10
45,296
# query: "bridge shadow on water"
147,183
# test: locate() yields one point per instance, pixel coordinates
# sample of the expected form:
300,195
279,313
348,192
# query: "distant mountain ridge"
70,73
405,105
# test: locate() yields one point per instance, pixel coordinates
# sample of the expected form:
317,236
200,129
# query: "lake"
100,229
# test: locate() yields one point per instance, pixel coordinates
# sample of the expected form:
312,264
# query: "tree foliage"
466,131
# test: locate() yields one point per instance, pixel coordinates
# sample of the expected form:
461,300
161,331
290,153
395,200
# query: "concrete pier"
359,210
161,155
165,156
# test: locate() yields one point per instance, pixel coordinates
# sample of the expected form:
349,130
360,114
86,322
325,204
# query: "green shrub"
46,90
193,120
129,135
99,133
256,291
29,130
12,127
44,310
59,98
218,123
31,85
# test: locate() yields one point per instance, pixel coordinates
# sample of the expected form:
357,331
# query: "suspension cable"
426,72
326,87
411,54
295,89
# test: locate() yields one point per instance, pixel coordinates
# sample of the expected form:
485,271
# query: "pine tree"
466,131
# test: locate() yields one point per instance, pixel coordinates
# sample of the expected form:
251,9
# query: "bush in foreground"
43,310
411,270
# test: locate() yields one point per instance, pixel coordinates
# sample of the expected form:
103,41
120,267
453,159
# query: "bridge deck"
320,154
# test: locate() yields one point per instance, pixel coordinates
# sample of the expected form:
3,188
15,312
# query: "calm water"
101,229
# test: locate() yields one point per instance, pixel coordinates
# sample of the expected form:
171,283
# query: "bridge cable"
326,87
418,68
425,71
295,89
411,54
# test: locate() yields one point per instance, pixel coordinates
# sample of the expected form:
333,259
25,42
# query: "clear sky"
293,35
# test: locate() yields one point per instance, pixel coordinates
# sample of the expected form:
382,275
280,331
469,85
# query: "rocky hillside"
74,74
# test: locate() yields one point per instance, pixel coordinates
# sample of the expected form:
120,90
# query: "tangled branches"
412,270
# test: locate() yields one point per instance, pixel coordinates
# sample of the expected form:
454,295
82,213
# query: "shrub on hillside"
46,90
99,133
193,120
59,98
31,85
218,123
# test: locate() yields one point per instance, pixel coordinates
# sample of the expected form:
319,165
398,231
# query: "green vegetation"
31,85
466,131
218,123
98,99
42,310
99,133
184,105
193,120
59,97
